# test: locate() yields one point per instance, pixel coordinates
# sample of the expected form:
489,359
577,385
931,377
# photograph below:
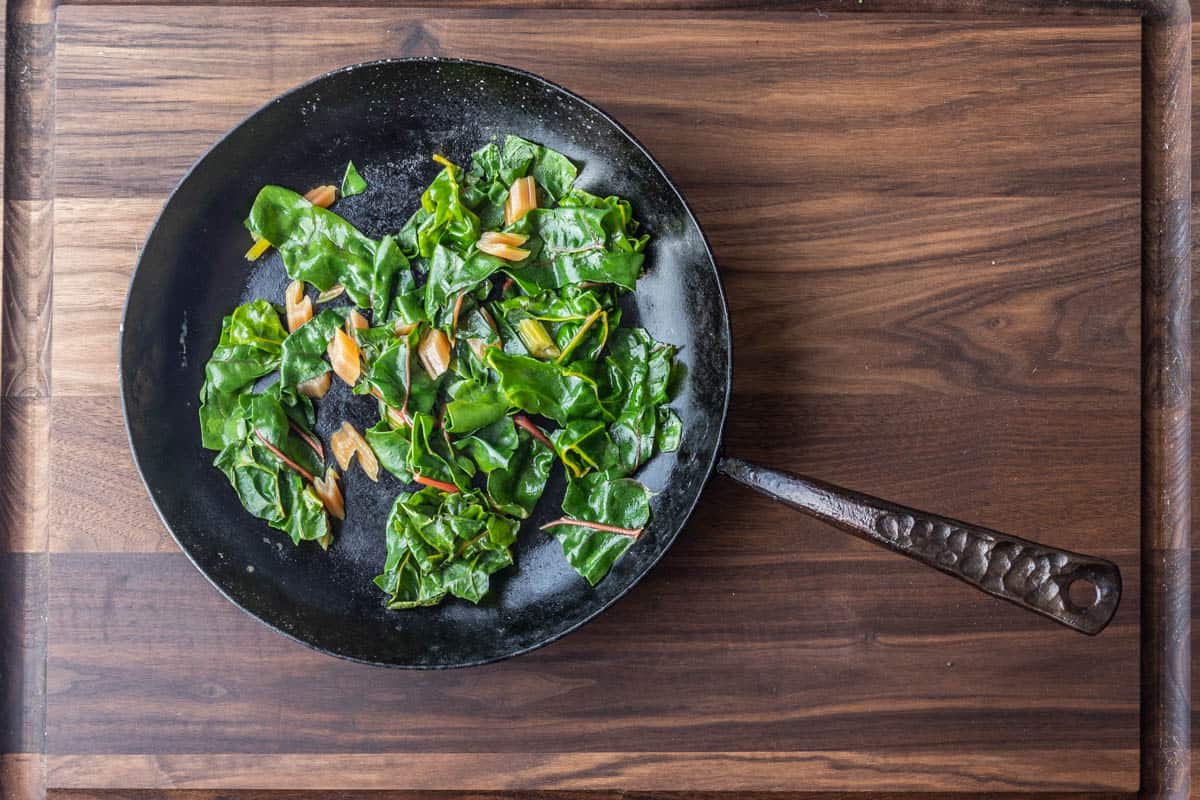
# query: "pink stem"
534,431
632,533
309,439
448,488
279,454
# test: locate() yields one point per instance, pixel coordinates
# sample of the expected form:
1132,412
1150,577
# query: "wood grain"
22,665
909,104
928,233
22,776
758,666
1023,311
28,209
764,771
868,269
1166,499
99,505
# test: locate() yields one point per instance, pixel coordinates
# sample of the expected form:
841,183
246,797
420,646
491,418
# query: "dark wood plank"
22,656
890,130
772,661
759,661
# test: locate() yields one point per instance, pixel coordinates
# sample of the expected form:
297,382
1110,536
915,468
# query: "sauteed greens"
488,333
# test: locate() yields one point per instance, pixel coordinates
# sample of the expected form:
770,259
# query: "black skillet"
389,117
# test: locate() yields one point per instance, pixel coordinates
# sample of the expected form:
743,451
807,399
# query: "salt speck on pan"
183,341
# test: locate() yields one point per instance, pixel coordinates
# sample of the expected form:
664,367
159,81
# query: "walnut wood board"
928,232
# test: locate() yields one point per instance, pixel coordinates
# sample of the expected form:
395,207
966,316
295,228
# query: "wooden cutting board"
928,233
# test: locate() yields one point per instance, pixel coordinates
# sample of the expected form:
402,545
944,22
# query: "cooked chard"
487,332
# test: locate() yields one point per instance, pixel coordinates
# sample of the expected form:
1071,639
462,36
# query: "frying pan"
389,117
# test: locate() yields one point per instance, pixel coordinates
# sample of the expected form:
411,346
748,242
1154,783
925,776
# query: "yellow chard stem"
583,329
260,246
536,339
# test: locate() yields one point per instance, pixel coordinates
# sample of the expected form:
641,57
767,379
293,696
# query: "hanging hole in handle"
1083,593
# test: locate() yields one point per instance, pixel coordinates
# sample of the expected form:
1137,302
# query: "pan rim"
682,519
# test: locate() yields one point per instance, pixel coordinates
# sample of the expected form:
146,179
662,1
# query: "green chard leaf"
250,346
443,216
516,488
298,408
268,487
304,351
398,378
450,275
408,305
575,247
658,372
253,477
352,182
637,373
580,320
670,430
372,341
584,445
474,405
494,168
600,498
441,544
561,393
483,191
635,435
219,419
391,446
389,264
618,219
323,249
305,519
492,447
431,456
553,171
267,416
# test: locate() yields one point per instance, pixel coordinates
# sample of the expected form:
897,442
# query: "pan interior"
389,117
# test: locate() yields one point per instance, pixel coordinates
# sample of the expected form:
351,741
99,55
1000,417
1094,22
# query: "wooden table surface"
928,233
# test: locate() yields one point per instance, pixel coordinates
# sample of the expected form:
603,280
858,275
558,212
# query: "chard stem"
632,533
308,476
534,431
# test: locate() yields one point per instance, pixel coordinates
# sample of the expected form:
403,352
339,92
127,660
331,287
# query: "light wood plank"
681,770
1002,296
1018,466
22,776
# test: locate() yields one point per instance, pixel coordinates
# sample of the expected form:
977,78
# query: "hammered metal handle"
1081,592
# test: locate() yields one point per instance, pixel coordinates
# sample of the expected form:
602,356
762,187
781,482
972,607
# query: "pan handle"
1081,592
